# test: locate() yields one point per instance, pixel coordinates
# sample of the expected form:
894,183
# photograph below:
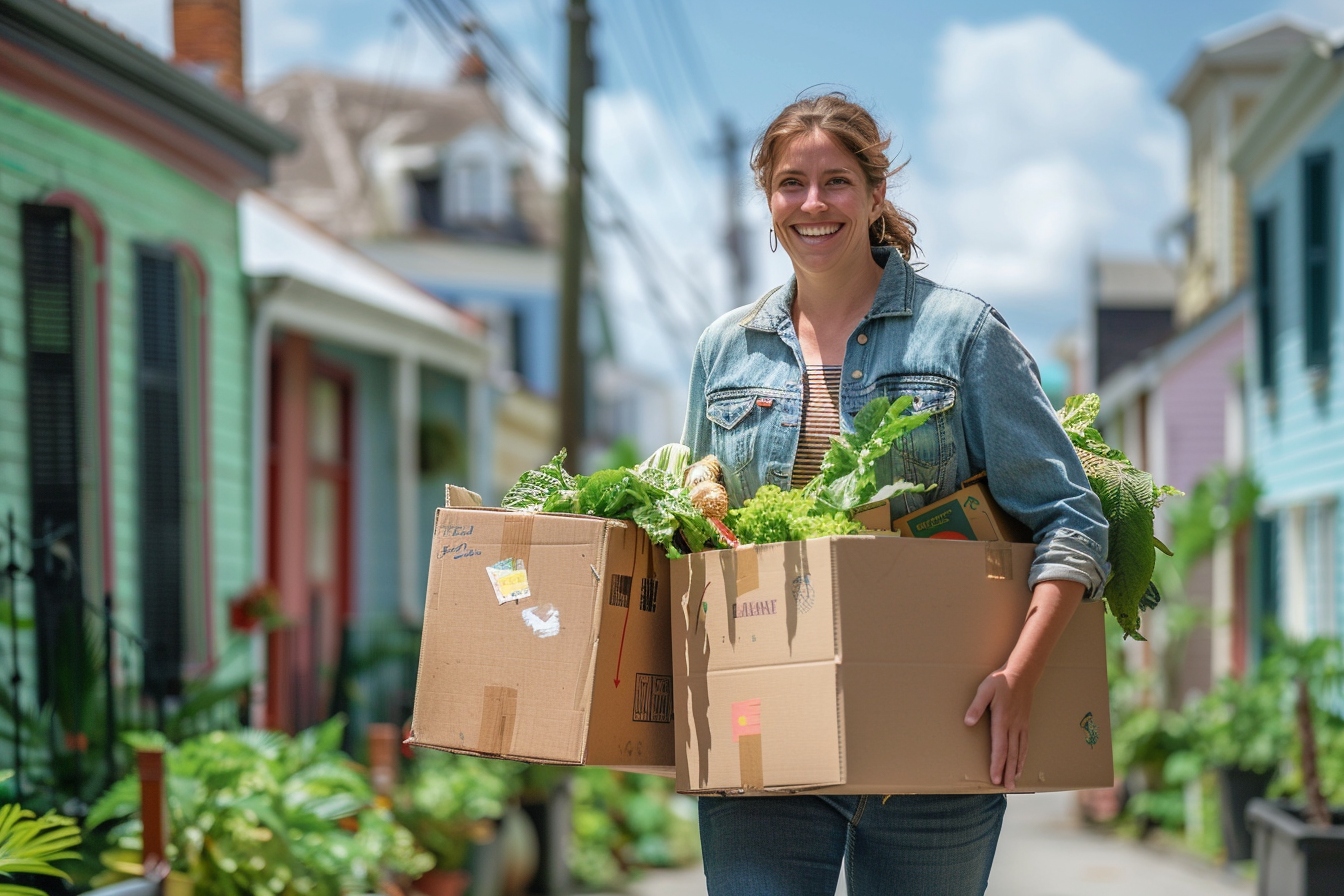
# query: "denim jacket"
955,356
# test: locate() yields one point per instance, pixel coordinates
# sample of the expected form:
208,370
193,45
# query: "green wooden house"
124,359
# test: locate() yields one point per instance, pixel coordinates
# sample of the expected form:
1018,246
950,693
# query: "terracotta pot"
442,883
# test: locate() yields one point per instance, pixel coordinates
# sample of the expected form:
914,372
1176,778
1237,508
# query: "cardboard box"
545,639
969,514
846,665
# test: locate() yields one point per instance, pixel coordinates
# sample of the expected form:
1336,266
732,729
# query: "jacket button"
862,339
856,375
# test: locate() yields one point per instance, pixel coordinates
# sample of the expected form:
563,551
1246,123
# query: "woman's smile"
822,205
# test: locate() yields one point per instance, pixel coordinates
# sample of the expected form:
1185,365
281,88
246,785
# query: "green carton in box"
969,514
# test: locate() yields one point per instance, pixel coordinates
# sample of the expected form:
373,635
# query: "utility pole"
734,237
572,387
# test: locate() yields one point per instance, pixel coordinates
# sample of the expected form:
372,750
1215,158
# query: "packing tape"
497,718
749,761
748,573
998,561
516,542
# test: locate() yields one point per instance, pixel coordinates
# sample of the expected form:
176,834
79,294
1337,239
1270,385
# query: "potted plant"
1241,733
1299,850
258,811
454,806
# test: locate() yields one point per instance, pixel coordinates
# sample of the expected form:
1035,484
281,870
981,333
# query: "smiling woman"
772,382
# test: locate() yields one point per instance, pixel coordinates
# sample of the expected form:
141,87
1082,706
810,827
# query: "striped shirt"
821,420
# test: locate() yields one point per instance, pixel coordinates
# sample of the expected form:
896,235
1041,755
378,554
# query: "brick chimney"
208,41
472,69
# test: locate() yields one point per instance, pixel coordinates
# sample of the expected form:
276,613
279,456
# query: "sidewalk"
1043,851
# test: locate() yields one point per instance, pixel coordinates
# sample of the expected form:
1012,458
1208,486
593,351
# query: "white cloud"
1042,148
278,38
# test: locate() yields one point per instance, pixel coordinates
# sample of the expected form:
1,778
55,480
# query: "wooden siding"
139,200
1296,430
1195,394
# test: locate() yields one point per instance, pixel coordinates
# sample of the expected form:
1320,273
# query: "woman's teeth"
824,230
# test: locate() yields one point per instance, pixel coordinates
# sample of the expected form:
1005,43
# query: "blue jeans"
930,845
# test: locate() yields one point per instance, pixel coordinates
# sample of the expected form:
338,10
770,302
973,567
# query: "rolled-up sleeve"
1012,434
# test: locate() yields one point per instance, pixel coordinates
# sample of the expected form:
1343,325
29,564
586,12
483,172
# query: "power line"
437,16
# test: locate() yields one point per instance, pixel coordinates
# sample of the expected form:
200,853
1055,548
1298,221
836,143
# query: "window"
162,547
51,340
1266,333
471,192
429,199
1316,227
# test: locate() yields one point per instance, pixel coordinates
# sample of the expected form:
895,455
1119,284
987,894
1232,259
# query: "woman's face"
821,205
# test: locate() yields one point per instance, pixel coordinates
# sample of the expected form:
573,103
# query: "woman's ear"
879,197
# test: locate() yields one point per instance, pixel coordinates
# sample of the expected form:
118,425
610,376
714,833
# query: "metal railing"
64,734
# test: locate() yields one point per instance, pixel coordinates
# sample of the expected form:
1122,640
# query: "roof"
1260,45
276,242
85,46
341,119
1134,283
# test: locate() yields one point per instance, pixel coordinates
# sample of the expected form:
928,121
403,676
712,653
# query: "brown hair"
853,128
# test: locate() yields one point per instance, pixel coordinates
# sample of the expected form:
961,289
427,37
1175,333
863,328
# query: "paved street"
1044,852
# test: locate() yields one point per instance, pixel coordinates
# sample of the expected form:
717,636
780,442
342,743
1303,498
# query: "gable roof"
341,120
1258,46
85,47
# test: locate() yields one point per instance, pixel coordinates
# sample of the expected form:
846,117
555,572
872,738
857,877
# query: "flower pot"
1295,858
1236,788
442,883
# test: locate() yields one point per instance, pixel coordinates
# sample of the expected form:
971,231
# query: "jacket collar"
895,295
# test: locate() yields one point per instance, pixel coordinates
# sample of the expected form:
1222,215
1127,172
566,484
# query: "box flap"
457,496
509,640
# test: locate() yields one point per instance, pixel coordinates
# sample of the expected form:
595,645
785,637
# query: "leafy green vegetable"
1128,499
774,515
649,496
534,487
848,476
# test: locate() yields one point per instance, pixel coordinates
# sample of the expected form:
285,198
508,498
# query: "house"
434,184
1178,409
1288,155
368,395
124,352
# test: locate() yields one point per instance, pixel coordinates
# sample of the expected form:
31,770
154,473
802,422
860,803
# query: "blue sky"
1037,132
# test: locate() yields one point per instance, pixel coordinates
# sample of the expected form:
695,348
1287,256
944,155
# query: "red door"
309,530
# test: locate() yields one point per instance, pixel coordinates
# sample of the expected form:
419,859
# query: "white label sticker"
544,621
509,579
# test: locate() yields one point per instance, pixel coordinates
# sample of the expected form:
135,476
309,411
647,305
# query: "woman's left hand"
1008,700
1006,693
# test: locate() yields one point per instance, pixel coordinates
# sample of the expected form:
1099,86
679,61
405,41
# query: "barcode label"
648,595
653,698
620,590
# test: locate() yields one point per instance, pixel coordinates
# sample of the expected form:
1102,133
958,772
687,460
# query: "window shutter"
51,338
1316,226
1266,331
161,541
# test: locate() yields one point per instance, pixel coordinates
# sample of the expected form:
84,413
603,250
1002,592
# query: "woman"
771,383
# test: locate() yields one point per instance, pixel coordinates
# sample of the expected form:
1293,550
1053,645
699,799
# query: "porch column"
406,401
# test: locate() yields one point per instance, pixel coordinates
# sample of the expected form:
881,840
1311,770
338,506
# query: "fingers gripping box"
846,665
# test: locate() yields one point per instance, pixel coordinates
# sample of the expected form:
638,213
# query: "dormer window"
470,194
429,198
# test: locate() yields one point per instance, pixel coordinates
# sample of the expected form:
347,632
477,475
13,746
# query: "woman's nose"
813,201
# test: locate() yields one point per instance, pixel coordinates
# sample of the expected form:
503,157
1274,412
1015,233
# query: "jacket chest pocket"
734,434
927,453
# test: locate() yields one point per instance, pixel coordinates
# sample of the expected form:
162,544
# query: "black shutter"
160,382
1266,328
1316,227
51,339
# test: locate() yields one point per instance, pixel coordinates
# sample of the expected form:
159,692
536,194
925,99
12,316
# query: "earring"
883,235
774,241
